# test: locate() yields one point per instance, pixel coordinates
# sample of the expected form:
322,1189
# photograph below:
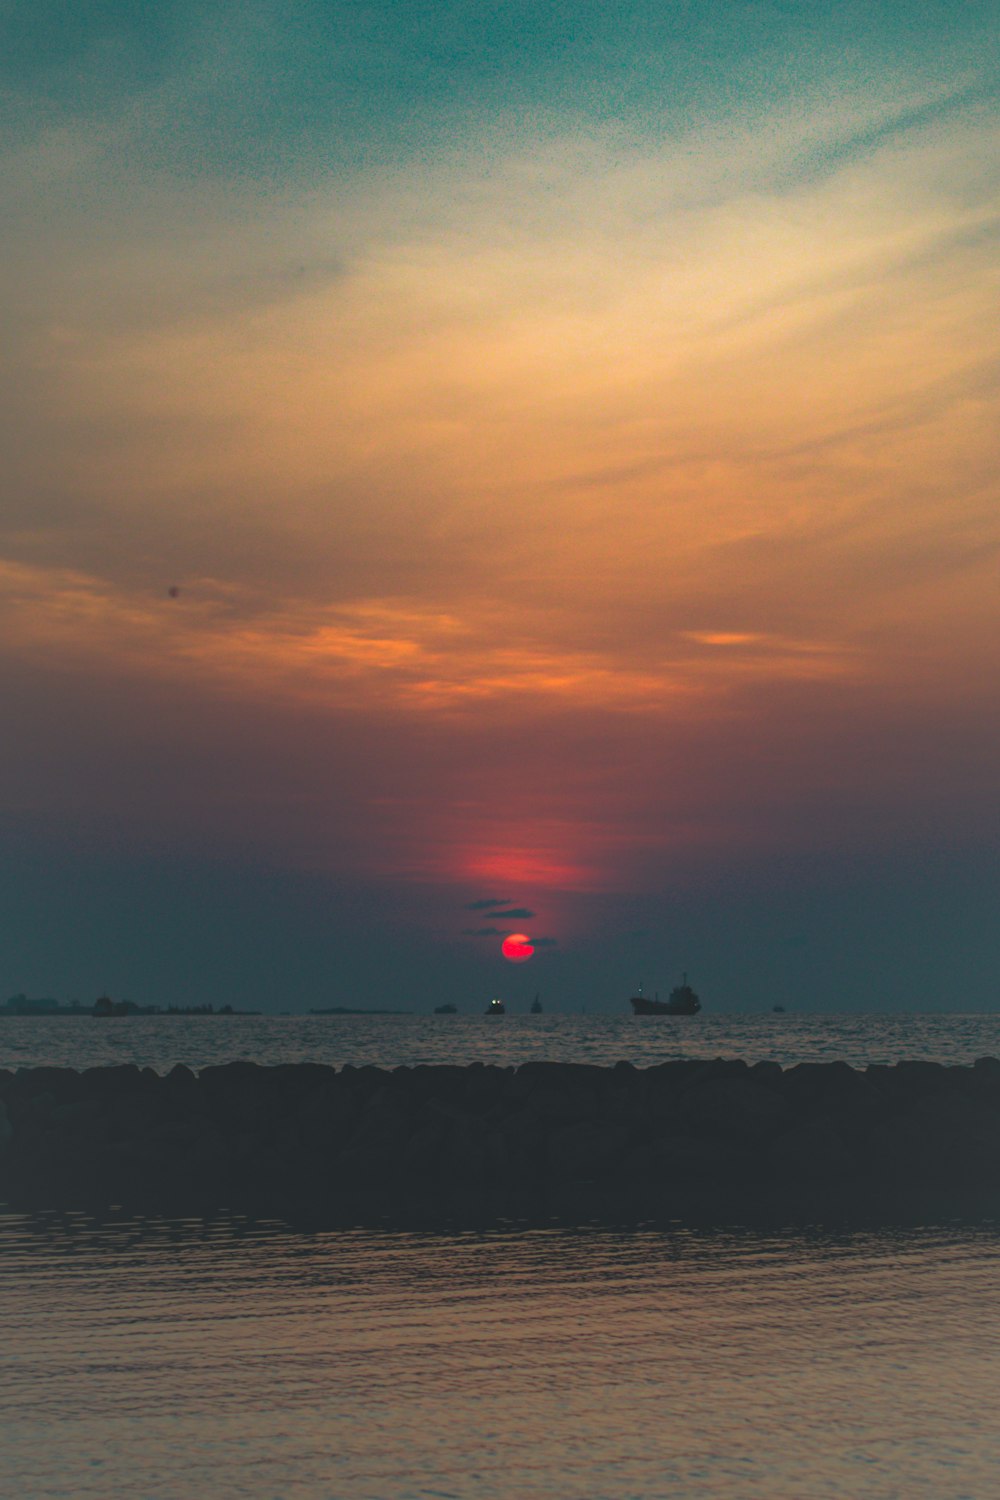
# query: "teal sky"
291,88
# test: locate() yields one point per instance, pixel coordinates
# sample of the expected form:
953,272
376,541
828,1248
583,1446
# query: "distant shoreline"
356,1010
123,1011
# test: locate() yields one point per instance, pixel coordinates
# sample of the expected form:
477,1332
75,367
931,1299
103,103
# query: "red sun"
517,947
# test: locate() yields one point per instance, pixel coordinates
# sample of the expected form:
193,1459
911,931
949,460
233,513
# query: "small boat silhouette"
496,1008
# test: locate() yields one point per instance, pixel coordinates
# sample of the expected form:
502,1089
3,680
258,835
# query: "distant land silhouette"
104,1006
356,1010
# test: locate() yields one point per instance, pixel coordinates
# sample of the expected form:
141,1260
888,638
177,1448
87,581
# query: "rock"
209,1156
445,1082
62,1083
672,1075
181,1088
943,1141
731,1107
375,1148
464,1157
727,1067
487,1089
813,1087
422,1152
692,1161
662,1087
135,1116
813,1151
264,1171
900,1148
386,1111
585,1150
112,1082
497,1162
83,1119
918,1077
566,1076
363,1081
621,1099
327,1116
556,1106
918,1131
233,1094
178,1134
986,1078
523,1138
32,1113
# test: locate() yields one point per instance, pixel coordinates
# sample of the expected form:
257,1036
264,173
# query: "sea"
391,1041
557,1360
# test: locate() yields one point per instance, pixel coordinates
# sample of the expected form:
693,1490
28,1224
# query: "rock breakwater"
914,1136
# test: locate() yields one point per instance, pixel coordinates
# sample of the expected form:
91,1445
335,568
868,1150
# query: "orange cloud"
701,433
376,655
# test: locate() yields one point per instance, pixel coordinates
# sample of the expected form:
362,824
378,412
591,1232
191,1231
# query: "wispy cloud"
371,655
552,473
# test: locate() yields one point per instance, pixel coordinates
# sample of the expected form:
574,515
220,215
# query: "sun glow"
517,948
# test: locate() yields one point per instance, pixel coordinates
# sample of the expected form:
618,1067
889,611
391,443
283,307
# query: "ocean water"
163,1358
388,1041
174,1359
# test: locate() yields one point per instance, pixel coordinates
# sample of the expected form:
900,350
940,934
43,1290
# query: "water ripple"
388,1041
171,1358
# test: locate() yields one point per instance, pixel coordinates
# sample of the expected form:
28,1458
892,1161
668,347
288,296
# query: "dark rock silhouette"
104,1007
819,1138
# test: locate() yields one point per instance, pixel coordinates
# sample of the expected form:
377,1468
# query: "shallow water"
389,1041
172,1359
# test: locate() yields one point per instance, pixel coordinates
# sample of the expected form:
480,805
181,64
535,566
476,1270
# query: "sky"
486,458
